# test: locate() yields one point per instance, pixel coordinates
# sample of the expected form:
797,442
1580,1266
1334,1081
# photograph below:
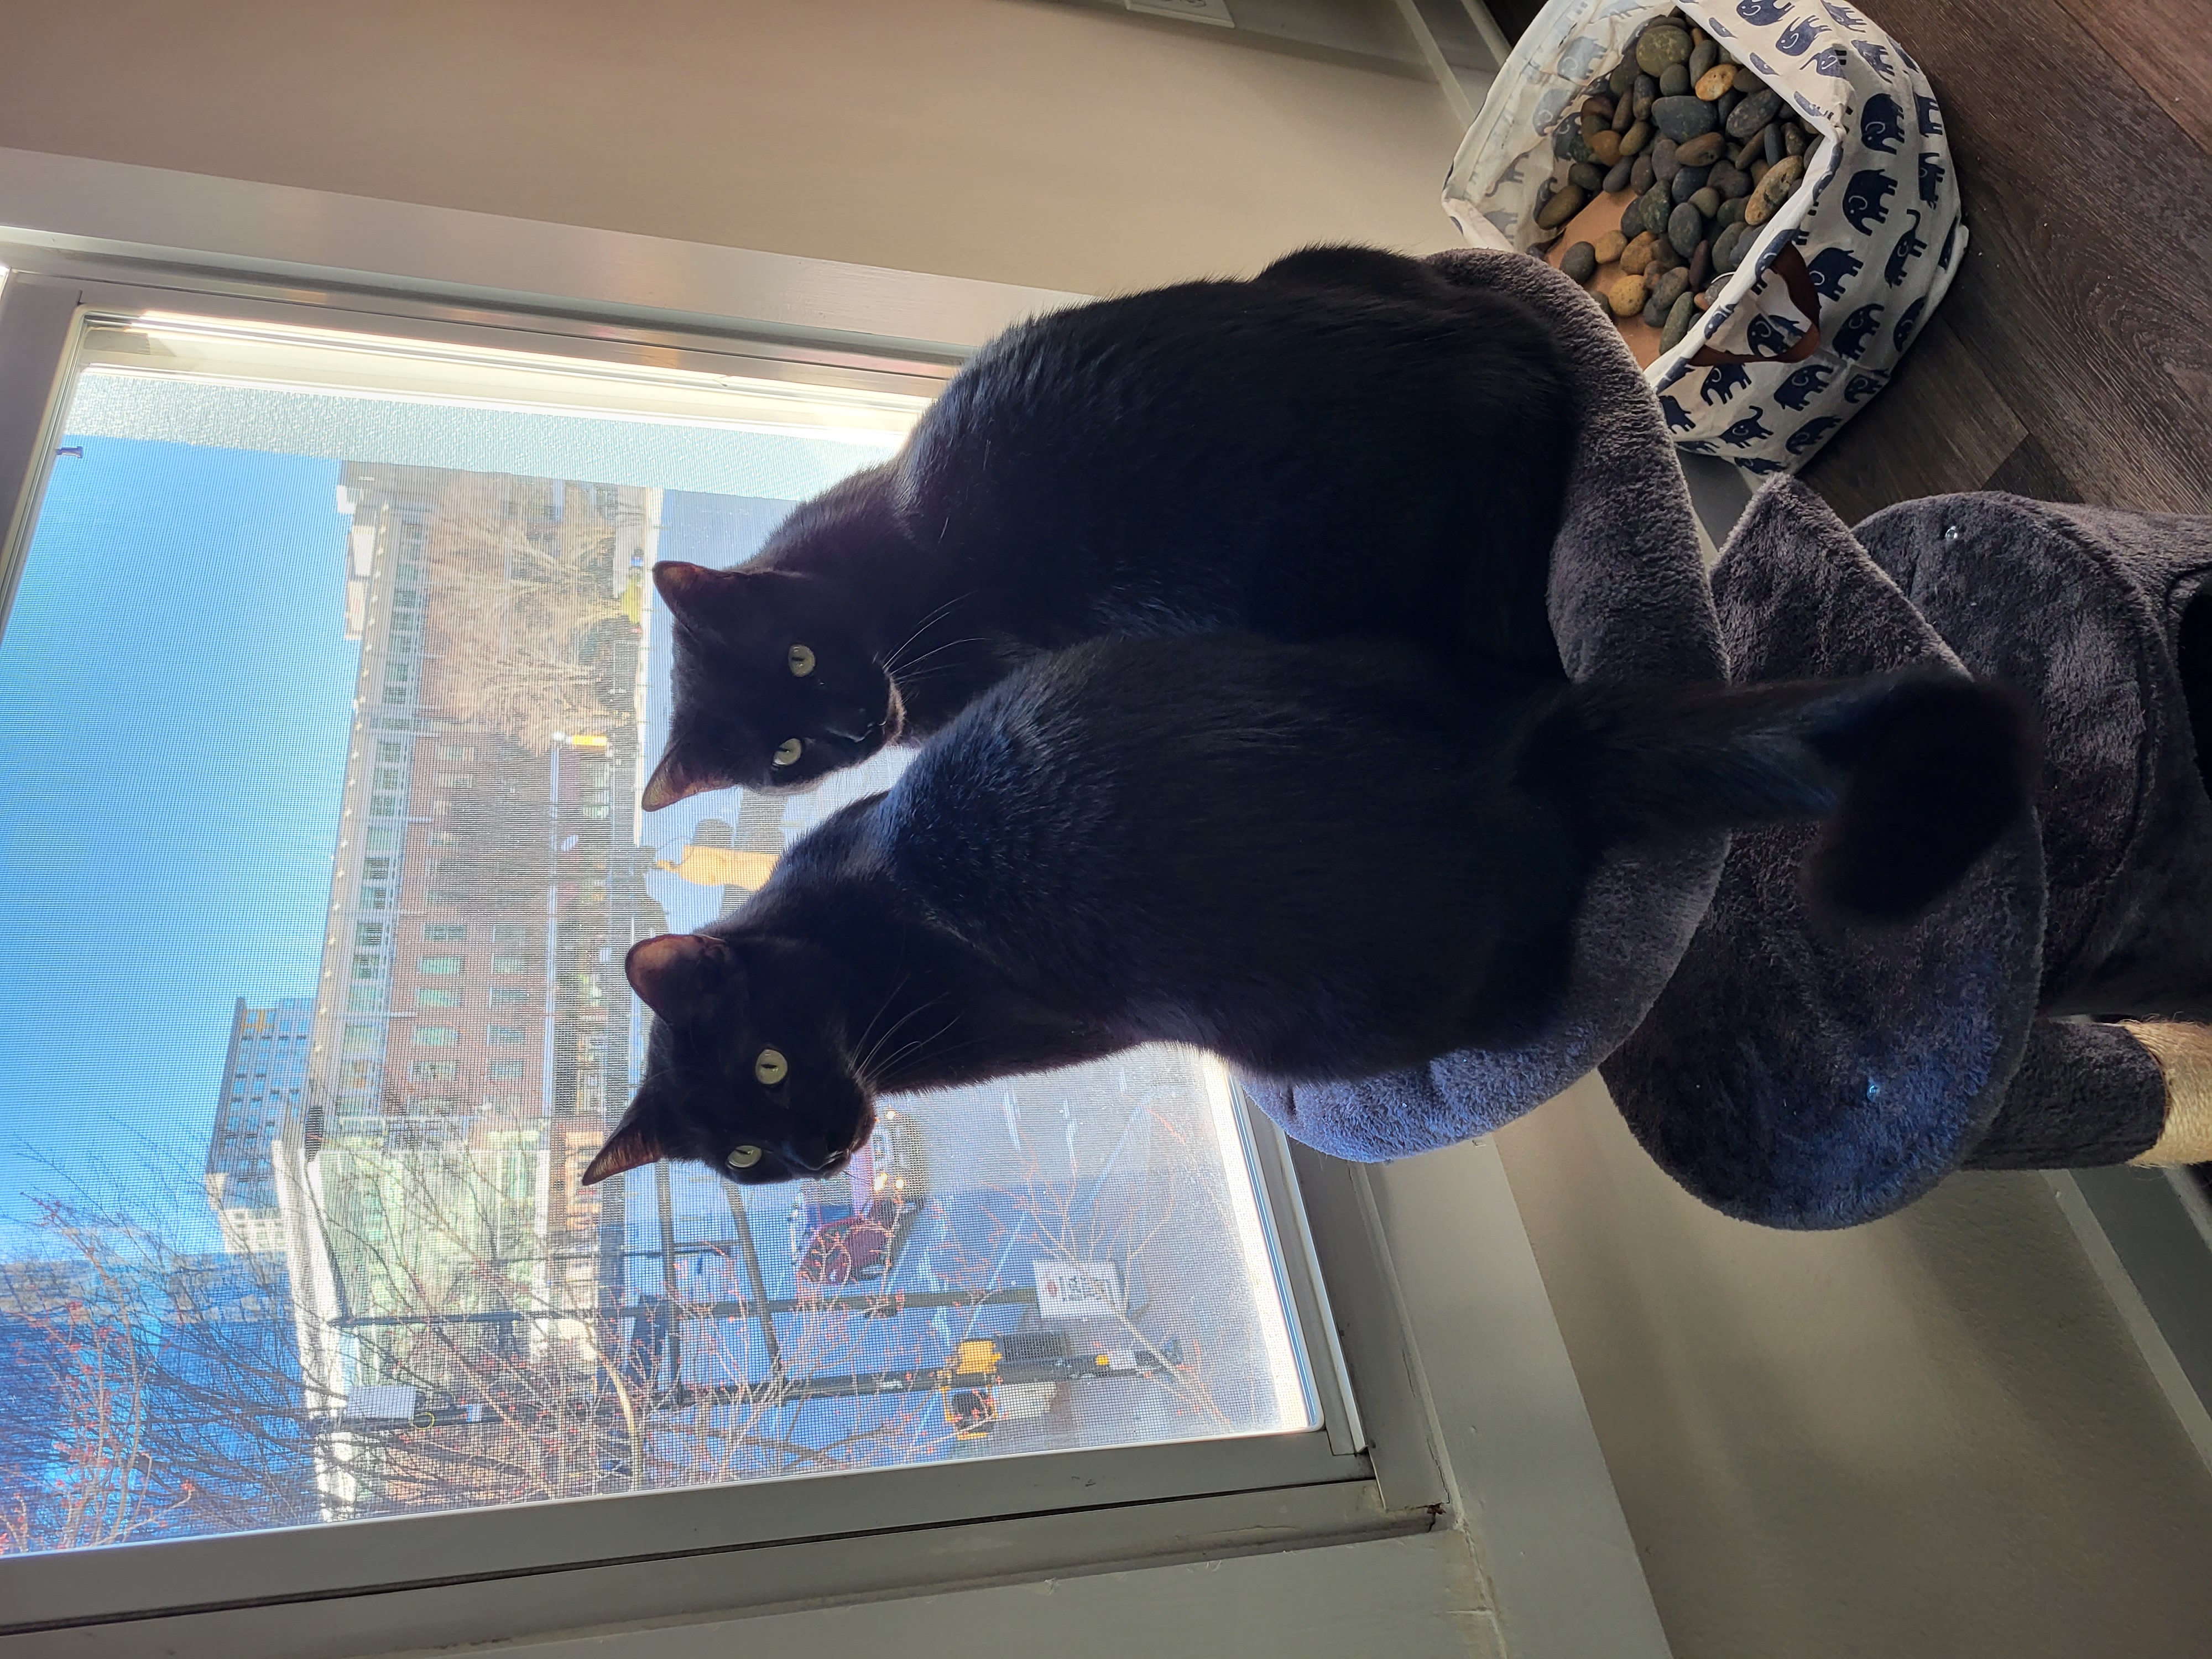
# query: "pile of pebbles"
1697,149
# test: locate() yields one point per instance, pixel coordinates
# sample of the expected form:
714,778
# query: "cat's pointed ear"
637,1140
685,587
681,774
675,973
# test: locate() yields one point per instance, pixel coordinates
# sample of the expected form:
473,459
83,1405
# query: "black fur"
1320,861
1348,443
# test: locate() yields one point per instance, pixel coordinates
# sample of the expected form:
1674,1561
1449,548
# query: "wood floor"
2072,359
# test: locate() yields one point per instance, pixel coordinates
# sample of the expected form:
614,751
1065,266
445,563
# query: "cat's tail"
1915,774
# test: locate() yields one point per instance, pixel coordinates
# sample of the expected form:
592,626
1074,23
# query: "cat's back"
1127,772
1248,344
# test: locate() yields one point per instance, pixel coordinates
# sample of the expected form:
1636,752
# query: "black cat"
1318,861
1348,443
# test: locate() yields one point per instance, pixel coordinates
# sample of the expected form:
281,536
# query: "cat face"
773,687
743,1071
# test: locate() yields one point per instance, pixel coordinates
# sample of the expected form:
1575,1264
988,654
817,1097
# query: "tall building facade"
265,1074
470,1006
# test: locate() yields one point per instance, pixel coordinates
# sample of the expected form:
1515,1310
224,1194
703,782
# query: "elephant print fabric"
1875,225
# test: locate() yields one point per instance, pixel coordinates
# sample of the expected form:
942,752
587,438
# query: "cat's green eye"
770,1065
801,660
743,1157
787,751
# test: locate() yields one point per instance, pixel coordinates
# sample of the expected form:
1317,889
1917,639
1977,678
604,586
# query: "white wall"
1928,1435
1013,140
1408,1598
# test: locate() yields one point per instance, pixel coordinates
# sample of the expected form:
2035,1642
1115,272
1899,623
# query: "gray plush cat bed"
1808,1078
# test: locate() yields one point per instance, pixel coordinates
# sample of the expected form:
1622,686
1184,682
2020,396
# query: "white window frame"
1381,1265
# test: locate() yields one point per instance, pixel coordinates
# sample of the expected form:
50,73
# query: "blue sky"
175,692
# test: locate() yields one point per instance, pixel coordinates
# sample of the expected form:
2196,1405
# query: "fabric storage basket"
1812,321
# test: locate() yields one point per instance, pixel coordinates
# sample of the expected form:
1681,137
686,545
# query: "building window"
368,935
511,932
358,1040
435,1037
365,998
446,932
505,1071
456,751
446,896
368,967
437,996
383,806
376,898
386,777
512,995
445,838
510,965
376,869
457,780
505,1036
435,1071
438,965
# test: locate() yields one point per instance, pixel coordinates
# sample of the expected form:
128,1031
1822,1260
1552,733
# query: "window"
446,931
457,1209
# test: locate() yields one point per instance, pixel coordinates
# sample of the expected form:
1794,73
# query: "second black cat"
1349,443
1321,861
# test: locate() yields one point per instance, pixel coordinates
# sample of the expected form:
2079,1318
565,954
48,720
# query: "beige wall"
1011,140
1927,1436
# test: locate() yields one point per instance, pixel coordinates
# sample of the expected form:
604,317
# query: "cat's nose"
854,726
814,1154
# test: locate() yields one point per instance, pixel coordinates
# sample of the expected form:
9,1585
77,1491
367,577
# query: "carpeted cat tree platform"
1801,1076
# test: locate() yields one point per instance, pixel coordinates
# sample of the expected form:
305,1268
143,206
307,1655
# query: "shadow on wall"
1928,1435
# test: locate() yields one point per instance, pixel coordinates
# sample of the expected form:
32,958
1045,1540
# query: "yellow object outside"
720,866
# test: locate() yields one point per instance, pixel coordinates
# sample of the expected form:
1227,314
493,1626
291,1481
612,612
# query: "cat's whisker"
891,658
906,668
884,1078
862,1066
